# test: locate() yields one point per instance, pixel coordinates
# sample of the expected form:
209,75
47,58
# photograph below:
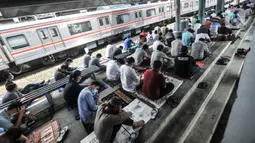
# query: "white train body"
24,42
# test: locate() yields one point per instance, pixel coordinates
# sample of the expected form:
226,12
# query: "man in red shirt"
144,35
154,84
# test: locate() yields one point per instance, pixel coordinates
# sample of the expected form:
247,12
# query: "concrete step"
180,121
202,127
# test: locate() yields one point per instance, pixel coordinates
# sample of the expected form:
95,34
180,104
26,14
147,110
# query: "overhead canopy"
16,8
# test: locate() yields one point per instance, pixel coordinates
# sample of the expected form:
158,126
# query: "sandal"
203,85
62,134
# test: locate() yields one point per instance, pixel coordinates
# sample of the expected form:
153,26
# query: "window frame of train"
120,19
186,5
161,9
83,27
138,14
20,46
104,21
149,10
191,4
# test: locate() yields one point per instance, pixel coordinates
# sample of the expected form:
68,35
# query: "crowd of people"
167,52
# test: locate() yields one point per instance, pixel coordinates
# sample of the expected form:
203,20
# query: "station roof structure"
16,8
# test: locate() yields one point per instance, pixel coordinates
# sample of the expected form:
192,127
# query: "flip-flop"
62,134
154,113
203,85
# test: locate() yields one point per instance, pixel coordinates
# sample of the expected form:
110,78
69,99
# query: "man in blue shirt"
128,43
187,37
87,105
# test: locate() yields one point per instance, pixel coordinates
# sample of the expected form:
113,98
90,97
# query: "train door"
161,12
3,60
138,18
50,39
105,26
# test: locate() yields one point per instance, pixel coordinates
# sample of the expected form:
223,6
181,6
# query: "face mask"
94,91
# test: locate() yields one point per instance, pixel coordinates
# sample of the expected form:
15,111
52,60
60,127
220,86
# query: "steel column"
178,15
201,11
220,6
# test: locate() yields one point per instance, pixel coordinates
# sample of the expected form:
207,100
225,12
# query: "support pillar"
178,17
220,6
201,11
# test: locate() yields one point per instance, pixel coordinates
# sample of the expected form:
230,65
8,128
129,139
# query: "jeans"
116,128
195,69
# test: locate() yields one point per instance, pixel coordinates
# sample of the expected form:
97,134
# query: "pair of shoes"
203,85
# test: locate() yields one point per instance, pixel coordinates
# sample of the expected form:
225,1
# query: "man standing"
128,77
87,106
154,84
176,46
185,65
109,50
200,50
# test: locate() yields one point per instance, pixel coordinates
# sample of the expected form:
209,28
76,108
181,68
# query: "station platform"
195,115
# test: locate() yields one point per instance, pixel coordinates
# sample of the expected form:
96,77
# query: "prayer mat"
160,102
126,98
201,64
111,83
48,133
126,134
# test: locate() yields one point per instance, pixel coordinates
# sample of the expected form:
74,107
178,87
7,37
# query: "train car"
47,40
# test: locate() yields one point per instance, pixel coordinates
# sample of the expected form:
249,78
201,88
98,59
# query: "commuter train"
50,37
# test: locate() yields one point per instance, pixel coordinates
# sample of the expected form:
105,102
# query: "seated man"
144,35
116,51
224,32
205,30
158,55
12,92
6,114
170,37
128,77
109,119
86,58
73,89
149,37
95,61
185,65
139,41
128,43
155,35
235,19
68,62
154,84
61,72
200,50
113,69
141,56
109,50
157,43
176,46
187,37
87,106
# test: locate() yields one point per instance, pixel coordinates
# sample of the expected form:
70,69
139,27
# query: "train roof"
100,10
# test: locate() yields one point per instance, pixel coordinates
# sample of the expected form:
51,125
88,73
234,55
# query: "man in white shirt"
163,30
196,26
155,35
157,43
141,55
149,37
200,50
109,50
113,69
176,46
128,77
202,35
158,55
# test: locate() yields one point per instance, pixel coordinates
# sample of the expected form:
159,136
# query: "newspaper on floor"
160,102
140,111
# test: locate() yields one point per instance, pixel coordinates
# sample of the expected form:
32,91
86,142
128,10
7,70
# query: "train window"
136,15
101,22
186,5
54,32
44,34
123,18
168,9
150,12
77,28
17,42
191,4
161,9
140,14
107,21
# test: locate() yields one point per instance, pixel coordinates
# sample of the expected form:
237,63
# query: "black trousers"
116,128
168,89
